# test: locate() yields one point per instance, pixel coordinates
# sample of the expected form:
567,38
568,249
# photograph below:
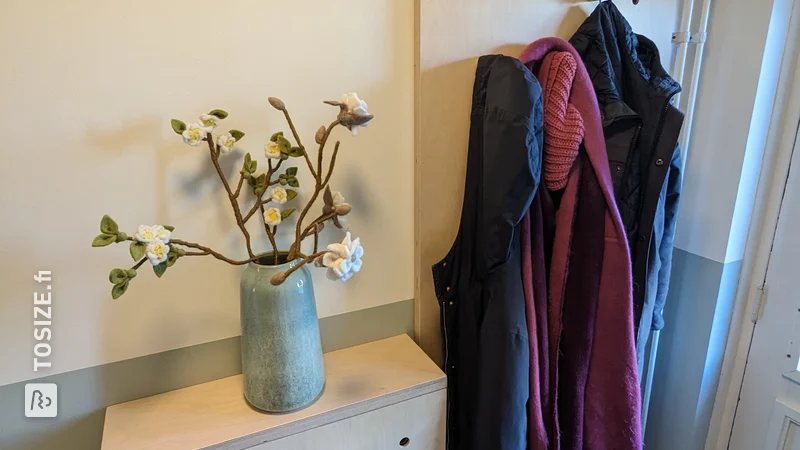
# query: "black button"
659,162
619,168
641,238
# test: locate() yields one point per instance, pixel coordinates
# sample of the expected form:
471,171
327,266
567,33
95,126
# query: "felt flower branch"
271,190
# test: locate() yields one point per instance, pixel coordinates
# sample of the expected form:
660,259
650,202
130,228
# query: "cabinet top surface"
214,415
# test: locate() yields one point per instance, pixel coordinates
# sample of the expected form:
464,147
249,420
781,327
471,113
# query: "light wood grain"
421,420
215,415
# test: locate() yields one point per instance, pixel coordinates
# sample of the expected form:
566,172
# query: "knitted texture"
563,124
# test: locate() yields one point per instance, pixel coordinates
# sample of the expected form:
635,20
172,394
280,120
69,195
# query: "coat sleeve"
671,204
511,158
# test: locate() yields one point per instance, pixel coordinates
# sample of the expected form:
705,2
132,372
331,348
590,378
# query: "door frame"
776,162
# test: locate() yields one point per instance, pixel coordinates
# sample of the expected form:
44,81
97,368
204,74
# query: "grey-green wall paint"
84,394
697,319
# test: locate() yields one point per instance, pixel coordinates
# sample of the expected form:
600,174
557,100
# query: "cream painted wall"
453,34
88,88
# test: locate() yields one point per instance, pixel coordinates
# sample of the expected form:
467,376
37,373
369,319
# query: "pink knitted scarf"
563,124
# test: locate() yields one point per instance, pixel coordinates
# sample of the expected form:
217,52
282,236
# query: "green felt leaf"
251,180
104,239
138,250
119,289
160,269
275,136
283,181
219,113
168,227
108,226
296,152
286,213
284,145
284,156
293,182
291,194
260,184
291,171
180,251
121,237
117,276
178,126
131,273
252,166
172,257
238,135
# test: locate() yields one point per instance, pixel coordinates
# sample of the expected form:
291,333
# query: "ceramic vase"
281,350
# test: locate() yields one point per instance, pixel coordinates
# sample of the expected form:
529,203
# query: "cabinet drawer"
421,421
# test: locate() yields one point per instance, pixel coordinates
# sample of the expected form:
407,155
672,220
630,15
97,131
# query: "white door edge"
775,169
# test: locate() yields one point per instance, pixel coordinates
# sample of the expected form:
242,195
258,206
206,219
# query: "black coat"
641,129
479,282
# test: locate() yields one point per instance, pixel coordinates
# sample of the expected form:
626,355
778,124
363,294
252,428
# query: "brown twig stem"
303,262
211,252
236,211
239,186
322,218
333,162
299,144
271,236
318,186
139,264
259,199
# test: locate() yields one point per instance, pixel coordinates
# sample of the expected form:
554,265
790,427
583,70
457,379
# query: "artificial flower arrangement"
157,245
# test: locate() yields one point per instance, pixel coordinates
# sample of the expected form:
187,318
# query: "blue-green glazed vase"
281,350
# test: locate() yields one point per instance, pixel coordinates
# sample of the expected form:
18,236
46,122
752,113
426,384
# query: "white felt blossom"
225,142
343,260
279,195
209,122
162,234
272,216
145,233
157,252
150,233
194,134
357,107
272,150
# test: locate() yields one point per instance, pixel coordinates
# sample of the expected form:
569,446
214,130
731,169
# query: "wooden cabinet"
383,395
416,424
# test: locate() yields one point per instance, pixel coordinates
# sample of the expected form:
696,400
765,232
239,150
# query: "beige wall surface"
453,34
88,88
